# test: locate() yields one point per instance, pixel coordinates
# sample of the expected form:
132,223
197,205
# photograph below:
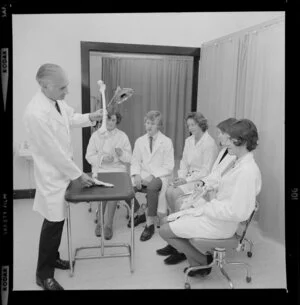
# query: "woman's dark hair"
117,114
243,132
199,119
224,125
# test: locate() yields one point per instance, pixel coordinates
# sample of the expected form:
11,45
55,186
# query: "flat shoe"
108,233
174,259
201,272
62,264
168,250
98,230
204,271
137,220
147,233
48,284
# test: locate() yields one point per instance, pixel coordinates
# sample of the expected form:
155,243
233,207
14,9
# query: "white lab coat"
103,144
197,160
234,202
50,144
159,163
212,180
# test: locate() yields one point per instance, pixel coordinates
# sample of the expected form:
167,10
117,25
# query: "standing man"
48,119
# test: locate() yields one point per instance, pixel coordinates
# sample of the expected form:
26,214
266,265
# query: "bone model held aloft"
102,129
102,88
120,96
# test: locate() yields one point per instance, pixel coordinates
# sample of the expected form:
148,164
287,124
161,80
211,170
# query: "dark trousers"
50,238
152,192
136,204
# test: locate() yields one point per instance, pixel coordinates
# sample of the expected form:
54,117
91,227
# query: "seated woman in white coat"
151,165
211,182
233,203
199,154
109,152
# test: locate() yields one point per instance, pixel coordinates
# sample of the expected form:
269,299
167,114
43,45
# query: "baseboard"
24,194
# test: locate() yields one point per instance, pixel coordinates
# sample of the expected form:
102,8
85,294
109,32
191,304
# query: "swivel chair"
217,247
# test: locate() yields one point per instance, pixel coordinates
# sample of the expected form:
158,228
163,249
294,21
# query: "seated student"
109,152
199,153
233,203
151,165
211,181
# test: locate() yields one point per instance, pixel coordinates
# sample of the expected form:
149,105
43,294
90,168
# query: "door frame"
88,46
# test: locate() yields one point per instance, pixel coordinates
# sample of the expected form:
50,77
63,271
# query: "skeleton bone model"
120,96
102,88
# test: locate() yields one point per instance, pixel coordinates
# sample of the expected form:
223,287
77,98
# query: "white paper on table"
101,183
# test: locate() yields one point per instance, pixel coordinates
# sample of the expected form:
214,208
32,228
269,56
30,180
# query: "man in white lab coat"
152,164
48,119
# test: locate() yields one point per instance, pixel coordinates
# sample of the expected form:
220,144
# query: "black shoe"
174,259
48,284
147,233
168,250
202,272
62,264
137,220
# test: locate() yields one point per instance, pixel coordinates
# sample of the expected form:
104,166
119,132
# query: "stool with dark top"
122,190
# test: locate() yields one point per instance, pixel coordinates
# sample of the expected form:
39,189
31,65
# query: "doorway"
163,78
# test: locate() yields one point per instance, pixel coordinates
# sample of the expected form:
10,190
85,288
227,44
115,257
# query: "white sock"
150,220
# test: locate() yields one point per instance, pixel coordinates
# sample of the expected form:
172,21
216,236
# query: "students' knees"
169,190
162,231
155,185
165,231
169,193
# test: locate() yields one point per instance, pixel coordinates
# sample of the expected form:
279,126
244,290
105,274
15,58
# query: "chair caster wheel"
96,221
248,279
187,286
127,216
90,210
249,254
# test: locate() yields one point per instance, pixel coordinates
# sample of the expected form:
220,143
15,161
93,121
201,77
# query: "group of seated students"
215,188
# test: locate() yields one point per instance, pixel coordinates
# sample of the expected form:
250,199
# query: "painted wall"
38,39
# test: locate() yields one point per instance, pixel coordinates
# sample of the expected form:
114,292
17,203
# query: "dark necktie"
57,107
151,142
225,153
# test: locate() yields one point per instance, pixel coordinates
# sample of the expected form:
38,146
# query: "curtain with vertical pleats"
163,84
243,75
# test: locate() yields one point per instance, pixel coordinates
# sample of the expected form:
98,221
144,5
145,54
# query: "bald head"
48,73
53,81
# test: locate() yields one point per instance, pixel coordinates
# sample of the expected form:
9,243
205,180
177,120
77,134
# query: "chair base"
220,261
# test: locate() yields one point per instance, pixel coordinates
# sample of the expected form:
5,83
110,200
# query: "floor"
268,260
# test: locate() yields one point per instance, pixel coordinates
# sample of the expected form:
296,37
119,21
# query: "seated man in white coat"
151,165
48,120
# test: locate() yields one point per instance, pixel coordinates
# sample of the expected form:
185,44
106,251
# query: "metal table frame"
130,247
